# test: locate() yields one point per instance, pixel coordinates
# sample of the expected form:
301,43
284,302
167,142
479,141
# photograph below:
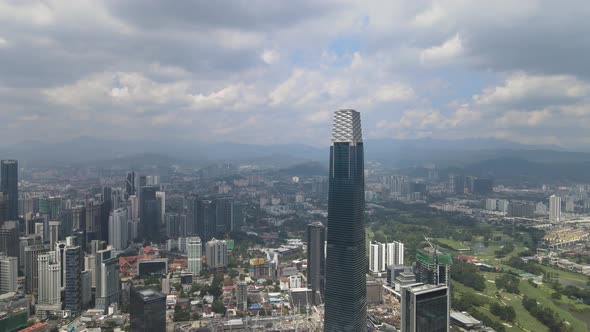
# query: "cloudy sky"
273,71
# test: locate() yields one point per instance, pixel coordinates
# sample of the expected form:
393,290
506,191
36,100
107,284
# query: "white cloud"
270,56
523,87
447,52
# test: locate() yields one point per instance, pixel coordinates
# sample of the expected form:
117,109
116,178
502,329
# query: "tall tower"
555,208
194,252
346,282
316,261
148,213
9,185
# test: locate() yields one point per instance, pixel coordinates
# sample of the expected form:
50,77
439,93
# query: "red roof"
35,327
228,288
147,249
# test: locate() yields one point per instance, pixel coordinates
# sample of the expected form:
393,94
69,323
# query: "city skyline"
246,72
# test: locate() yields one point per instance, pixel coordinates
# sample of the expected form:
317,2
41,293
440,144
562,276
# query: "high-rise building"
130,184
425,308
118,226
3,208
377,258
191,203
491,204
133,203
148,214
242,296
9,238
8,274
32,253
86,288
147,310
346,261
223,214
503,205
73,286
49,280
9,185
206,219
194,248
316,260
108,286
433,268
555,208
216,254
54,232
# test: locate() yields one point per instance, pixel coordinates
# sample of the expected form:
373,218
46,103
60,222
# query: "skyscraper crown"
347,127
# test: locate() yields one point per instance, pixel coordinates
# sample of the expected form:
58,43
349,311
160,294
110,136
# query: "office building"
433,268
9,238
316,260
8,274
223,214
161,200
521,209
176,224
49,293
555,208
133,204
206,219
118,227
194,254
73,286
242,296
54,232
425,308
3,208
148,214
346,261
457,184
108,285
32,253
147,310
9,186
191,203
216,254
130,184
86,288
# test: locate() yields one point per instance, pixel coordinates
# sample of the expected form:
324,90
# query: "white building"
118,229
382,255
8,274
216,254
555,208
49,292
502,205
294,282
194,249
491,204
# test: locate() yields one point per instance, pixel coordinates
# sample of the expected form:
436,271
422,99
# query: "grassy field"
524,321
456,245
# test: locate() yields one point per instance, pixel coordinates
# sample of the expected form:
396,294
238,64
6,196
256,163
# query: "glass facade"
346,289
432,311
147,310
9,185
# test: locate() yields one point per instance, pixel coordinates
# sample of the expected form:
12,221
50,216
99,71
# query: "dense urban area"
242,247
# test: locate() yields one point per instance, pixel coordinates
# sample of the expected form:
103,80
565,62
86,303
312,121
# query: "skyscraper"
194,248
346,284
223,214
425,308
73,286
107,279
49,280
130,184
377,257
316,261
3,208
9,185
54,233
9,238
206,219
147,310
395,253
32,252
555,208
191,205
148,214
118,225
